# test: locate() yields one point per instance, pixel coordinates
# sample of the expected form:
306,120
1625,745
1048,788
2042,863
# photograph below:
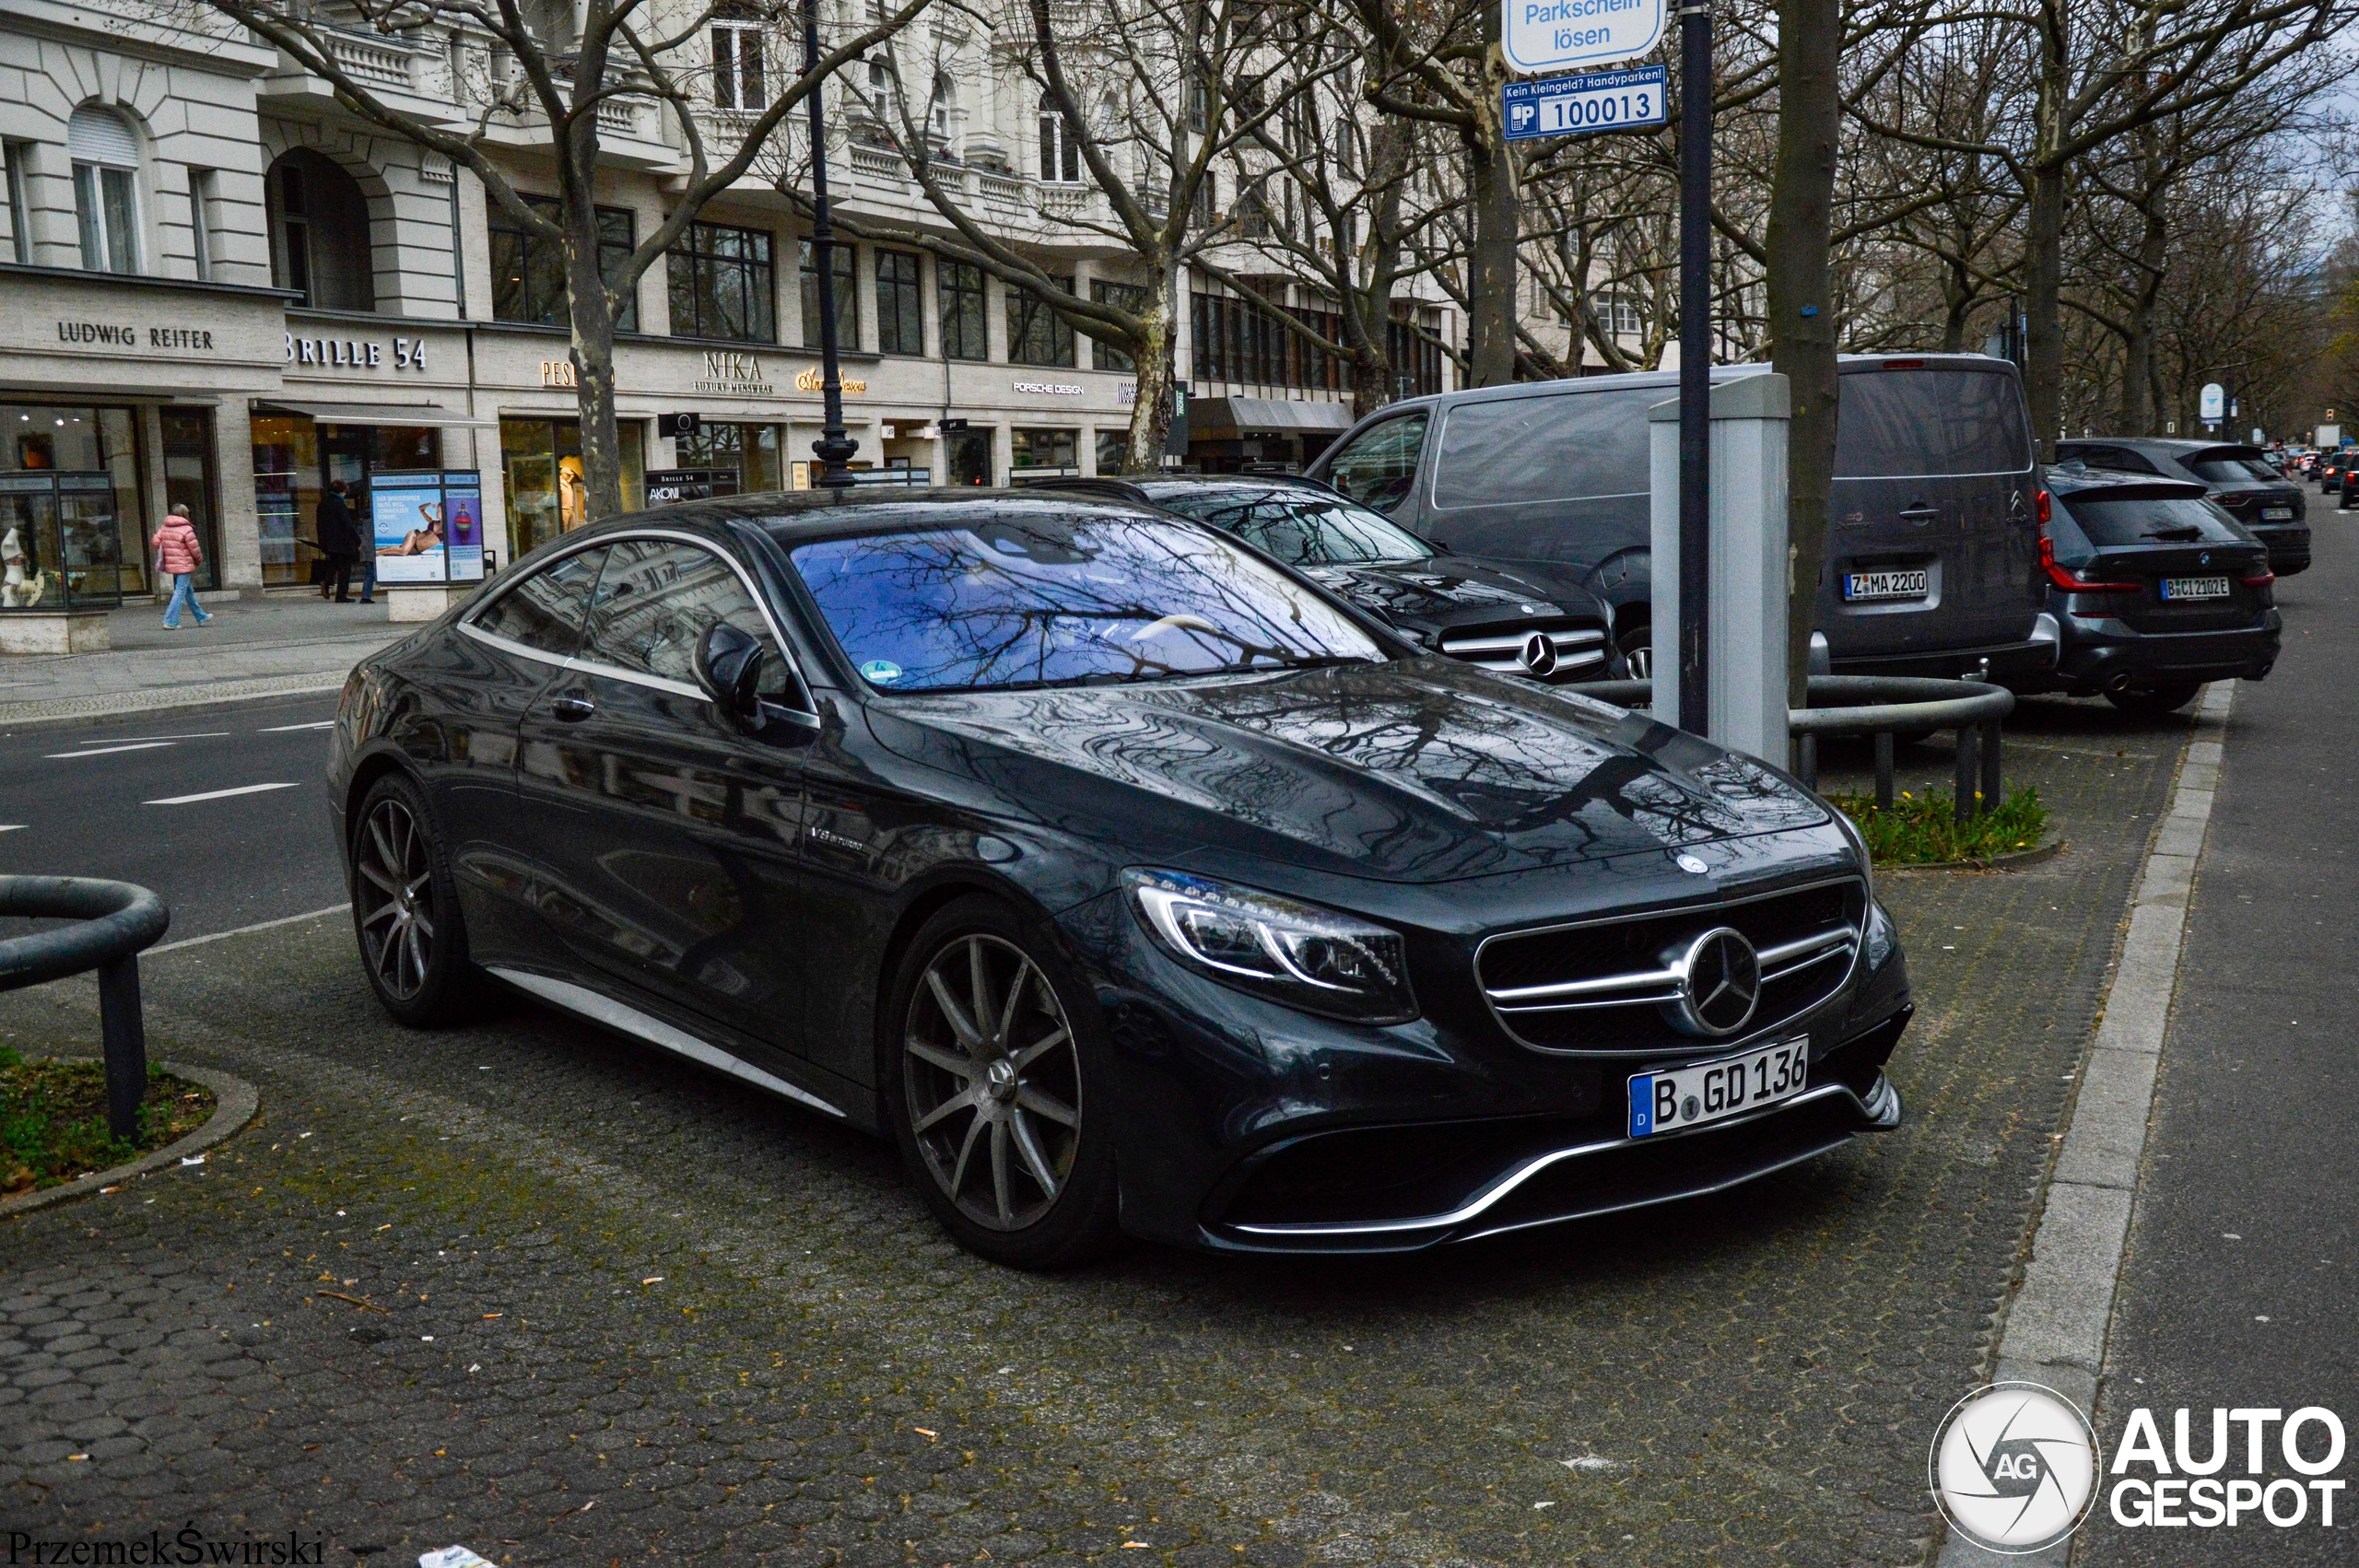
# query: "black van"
1933,552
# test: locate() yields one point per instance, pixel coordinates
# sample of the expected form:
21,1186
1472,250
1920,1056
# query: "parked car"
2155,588
1482,612
1124,878
2238,477
2327,470
1931,559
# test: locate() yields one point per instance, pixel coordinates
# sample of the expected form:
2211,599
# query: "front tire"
405,910
1637,646
996,1085
2157,701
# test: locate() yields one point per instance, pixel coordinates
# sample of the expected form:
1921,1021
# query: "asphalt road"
2244,1256
113,800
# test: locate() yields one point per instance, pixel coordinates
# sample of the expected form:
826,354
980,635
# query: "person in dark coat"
339,537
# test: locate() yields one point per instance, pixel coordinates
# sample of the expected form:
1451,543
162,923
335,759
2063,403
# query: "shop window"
318,233
749,451
1113,449
73,513
106,188
294,461
843,265
1123,297
547,494
737,76
722,281
1058,451
192,480
964,331
900,324
1037,334
528,272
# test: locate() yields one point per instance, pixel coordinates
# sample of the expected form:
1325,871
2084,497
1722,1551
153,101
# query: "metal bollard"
1807,746
1992,794
1962,807
124,1036
1884,770
114,921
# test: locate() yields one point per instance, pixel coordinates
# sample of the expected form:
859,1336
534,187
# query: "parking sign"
1555,35
1573,106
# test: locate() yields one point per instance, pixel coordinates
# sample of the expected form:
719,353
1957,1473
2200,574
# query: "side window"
1379,466
1562,447
656,599
546,609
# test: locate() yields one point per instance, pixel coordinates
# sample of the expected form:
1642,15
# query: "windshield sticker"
880,672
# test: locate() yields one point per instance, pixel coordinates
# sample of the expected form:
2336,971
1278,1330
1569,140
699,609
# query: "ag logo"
2014,1467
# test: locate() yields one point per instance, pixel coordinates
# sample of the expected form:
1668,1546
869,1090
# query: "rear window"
1915,424
2186,519
2217,468
1569,447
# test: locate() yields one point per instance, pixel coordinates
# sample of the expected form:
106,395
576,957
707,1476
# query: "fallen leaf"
363,1306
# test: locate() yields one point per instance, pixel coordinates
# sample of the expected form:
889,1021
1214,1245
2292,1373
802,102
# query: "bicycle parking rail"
1882,706
116,922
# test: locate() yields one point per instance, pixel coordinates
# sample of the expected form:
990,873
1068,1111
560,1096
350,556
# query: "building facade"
219,288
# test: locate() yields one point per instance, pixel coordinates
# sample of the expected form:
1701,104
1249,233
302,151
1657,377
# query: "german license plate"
2277,514
2179,588
1696,1096
1886,585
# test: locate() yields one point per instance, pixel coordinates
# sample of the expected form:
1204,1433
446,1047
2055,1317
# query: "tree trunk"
1151,352
2043,310
1492,222
2137,360
592,321
1802,209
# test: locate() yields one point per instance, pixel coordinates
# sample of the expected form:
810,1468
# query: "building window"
1414,349
843,265
191,480
965,329
1123,297
318,233
937,117
723,284
1237,342
203,188
1060,154
528,272
1034,450
1037,334
737,78
106,188
900,322
21,234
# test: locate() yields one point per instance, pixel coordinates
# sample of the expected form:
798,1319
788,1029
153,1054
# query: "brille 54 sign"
1555,35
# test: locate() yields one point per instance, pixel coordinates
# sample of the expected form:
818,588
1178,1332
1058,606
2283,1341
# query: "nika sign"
356,354
733,371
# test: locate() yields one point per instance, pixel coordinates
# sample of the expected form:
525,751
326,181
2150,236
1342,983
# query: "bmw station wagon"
1129,881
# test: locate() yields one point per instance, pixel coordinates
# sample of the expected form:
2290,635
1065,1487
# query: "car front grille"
1580,651
1603,984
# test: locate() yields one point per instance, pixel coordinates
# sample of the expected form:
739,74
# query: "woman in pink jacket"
178,555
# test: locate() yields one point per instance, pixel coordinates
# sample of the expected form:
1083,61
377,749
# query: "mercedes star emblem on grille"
1538,655
1719,983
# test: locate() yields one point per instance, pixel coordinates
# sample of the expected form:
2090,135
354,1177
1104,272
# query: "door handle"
1920,513
572,709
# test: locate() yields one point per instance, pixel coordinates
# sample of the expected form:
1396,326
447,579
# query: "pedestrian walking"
339,538
368,543
178,555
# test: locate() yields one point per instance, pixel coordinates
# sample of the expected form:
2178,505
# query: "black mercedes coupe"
1129,881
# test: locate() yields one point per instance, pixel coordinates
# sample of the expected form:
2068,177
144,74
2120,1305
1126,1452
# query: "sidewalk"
289,643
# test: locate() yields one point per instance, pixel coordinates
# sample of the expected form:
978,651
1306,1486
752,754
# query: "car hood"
1422,770
1444,590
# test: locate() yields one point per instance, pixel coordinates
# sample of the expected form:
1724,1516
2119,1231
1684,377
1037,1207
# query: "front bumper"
2010,663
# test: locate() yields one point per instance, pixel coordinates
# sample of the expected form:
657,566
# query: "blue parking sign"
1599,100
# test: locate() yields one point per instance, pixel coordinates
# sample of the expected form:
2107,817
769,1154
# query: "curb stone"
110,705
234,1103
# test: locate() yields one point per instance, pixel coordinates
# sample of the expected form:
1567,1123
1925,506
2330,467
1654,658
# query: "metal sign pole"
1694,365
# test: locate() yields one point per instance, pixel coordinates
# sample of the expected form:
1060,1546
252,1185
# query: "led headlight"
1308,957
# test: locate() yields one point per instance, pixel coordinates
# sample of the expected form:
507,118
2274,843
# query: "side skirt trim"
601,1009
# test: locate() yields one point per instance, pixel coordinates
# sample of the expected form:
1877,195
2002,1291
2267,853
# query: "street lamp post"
834,446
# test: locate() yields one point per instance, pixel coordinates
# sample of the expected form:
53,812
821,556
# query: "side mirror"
729,665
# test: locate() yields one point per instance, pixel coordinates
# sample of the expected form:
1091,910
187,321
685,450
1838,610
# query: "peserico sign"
1556,35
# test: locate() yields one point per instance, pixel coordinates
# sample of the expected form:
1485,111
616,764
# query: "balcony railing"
378,62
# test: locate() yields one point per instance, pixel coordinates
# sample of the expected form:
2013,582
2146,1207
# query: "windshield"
1919,423
1039,599
2182,519
1303,529
2228,469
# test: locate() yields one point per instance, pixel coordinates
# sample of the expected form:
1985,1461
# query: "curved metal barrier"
118,920
1882,706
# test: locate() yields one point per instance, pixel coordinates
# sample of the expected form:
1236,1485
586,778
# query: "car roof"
2065,481
1845,364
2168,446
793,516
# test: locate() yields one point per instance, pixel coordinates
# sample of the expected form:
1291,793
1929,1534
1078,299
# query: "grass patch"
54,1121
1920,832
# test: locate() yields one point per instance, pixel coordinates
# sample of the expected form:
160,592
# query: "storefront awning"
413,413
1224,418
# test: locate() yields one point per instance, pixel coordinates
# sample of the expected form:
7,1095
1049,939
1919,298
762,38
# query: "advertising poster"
463,508
406,518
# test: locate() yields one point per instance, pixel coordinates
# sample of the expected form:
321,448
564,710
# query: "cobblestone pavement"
591,1307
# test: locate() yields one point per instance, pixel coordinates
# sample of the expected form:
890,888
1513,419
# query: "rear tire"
406,911
2155,701
997,1085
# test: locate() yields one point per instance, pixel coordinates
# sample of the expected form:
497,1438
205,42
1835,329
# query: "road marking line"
282,729
218,795
2062,1317
192,735
241,931
103,750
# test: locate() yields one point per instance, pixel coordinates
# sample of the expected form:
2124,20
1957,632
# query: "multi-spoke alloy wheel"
395,895
992,1076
